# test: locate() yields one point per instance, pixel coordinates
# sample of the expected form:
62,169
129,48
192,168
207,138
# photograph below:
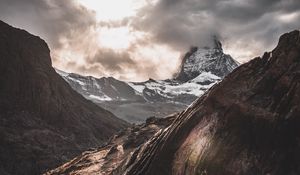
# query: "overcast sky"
140,39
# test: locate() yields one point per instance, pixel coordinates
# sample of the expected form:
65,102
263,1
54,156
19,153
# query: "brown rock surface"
116,152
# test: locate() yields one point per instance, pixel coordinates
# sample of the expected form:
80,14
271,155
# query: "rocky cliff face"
247,124
43,121
136,101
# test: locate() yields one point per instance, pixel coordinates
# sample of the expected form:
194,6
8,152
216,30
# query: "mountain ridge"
157,97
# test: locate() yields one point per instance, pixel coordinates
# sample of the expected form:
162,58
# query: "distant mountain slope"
43,121
136,101
102,89
110,89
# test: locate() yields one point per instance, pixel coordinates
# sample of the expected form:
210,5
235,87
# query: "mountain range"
247,124
201,68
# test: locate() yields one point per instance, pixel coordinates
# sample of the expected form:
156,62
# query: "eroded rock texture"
116,152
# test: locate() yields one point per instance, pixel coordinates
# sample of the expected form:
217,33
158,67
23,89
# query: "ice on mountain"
204,77
77,81
103,98
62,73
138,88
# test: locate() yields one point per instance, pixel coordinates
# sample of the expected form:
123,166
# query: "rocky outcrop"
43,121
247,124
106,159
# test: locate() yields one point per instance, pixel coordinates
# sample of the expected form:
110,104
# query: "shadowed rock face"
247,124
43,122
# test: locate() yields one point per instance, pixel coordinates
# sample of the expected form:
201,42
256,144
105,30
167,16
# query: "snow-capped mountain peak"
206,59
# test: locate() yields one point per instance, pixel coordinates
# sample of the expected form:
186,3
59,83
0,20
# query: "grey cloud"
66,22
111,60
178,23
120,64
114,24
182,23
49,19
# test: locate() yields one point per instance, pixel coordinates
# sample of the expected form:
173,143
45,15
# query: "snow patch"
96,83
61,73
205,76
77,81
103,98
138,88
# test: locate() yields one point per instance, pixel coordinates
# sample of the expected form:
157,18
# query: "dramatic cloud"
141,39
81,43
247,27
51,19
